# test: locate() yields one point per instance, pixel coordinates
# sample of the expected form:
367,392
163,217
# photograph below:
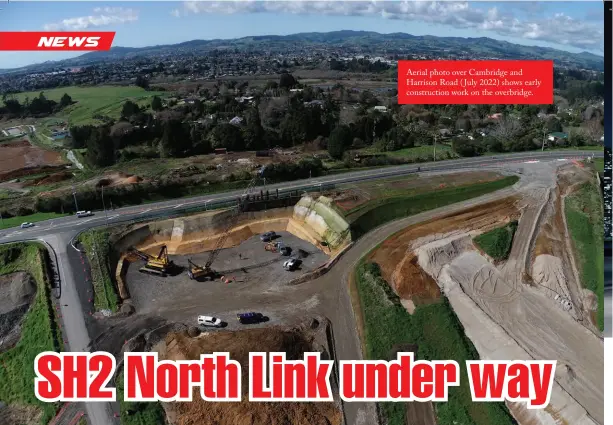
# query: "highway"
59,233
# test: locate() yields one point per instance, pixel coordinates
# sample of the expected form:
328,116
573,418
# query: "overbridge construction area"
295,260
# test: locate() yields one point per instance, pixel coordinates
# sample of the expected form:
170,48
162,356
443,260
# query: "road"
58,233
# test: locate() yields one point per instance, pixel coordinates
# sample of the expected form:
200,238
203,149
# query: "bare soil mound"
19,415
399,264
17,290
293,341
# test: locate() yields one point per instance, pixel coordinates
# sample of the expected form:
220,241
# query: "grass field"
16,221
39,330
383,210
584,216
497,243
140,413
438,334
98,100
96,243
599,164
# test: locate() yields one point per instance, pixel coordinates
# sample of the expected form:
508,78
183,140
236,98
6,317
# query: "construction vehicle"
206,270
196,272
160,265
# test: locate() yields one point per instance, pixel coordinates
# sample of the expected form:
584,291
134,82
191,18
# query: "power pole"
435,148
543,146
74,195
104,207
1,220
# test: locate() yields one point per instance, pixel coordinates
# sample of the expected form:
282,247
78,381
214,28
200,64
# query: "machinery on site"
196,272
159,265
278,247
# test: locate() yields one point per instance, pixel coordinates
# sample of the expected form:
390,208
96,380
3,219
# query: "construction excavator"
196,272
160,265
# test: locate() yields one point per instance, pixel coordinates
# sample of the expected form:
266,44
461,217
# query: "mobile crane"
159,265
206,270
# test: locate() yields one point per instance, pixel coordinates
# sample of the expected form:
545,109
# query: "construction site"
531,304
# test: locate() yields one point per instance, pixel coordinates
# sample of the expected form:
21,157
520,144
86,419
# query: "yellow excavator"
160,265
196,272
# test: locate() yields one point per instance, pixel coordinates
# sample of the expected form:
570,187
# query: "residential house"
313,103
380,109
236,121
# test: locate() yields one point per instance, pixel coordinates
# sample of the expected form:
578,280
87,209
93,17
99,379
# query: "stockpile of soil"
17,291
53,178
399,264
293,341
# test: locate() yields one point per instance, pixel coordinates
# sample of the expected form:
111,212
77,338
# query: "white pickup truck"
82,214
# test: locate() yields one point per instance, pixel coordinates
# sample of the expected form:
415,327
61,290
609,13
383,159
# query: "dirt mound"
19,415
399,264
118,179
20,155
16,292
293,341
53,178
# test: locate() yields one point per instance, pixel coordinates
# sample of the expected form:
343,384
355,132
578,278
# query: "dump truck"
160,265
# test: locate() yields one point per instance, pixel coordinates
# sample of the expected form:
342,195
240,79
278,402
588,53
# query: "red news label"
500,82
56,40
272,378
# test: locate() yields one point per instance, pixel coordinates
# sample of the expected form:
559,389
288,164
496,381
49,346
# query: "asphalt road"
58,233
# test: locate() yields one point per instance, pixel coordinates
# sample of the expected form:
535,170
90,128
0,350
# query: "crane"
230,223
159,265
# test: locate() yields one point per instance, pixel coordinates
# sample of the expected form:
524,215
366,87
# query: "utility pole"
1,220
543,146
435,148
74,195
104,207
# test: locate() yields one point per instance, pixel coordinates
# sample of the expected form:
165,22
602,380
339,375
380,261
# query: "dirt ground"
399,264
294,341
21,154
17,290
502,310
19,415
262,271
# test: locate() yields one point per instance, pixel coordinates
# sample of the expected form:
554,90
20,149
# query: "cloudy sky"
573,26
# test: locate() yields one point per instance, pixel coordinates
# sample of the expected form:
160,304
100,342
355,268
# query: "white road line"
85,221
143,212
113,216
178,206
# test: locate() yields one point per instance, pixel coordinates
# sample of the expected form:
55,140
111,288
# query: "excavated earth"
17,290
294,341
508,309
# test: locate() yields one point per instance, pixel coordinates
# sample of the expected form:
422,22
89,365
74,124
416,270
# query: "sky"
572,26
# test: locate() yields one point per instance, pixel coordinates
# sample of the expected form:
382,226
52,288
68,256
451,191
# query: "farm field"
91,101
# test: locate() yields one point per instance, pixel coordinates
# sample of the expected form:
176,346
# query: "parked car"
291,264
268,236
26,225
82,214
285,250
209,321
250,318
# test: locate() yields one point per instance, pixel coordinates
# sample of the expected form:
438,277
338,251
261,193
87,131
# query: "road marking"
178,206
113,216
85,221
531,162
143,212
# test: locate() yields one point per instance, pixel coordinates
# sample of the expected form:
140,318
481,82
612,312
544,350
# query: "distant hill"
366,42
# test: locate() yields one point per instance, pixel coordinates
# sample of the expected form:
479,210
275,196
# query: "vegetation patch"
384,210
497,243
437,332
32,218
97,248
135,413
40,331
584,216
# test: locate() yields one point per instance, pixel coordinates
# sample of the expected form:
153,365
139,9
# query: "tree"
339,140
506,130
66,100
287,81
226,135
553,125
100,148
156,103
129,108
143,82
253,132
175,139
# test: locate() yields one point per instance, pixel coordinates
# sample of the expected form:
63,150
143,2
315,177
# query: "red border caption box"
475,82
